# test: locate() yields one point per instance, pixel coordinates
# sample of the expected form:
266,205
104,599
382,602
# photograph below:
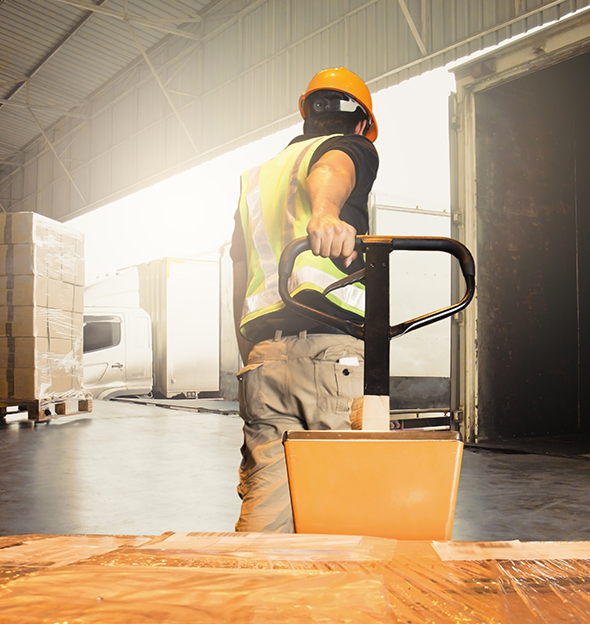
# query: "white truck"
154,328
117,352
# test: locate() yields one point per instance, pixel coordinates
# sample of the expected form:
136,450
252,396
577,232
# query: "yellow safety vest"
274,210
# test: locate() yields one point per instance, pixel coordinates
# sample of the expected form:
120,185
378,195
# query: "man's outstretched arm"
329,184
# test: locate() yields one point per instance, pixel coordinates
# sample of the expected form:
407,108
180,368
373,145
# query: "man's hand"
330,237
329,184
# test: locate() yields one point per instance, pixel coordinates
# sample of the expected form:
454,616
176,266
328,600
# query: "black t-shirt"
354,212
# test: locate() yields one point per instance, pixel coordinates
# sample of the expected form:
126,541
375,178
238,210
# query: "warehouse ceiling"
102,98
57,53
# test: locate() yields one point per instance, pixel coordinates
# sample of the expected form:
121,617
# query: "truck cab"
117,352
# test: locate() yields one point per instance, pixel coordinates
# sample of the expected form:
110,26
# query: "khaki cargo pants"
292,383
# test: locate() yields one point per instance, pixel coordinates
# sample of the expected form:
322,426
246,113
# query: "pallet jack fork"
373,481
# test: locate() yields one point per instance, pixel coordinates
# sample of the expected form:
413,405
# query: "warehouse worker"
301,374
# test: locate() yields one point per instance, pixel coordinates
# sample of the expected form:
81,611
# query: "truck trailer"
154,328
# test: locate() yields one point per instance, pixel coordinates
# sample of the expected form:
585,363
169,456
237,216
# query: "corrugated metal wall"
240,81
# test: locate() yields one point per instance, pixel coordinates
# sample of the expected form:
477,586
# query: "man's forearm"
329,184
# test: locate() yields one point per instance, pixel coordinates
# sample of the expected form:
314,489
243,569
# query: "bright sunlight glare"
191,214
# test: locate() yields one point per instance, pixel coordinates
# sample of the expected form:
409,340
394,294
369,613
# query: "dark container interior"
533,219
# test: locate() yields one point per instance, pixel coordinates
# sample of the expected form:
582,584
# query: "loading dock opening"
522,203
533,199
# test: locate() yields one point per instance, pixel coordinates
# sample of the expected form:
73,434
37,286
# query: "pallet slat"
39,410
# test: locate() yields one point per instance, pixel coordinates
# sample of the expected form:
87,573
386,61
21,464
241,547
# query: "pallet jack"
369,480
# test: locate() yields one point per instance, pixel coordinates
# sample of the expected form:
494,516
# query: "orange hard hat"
344,81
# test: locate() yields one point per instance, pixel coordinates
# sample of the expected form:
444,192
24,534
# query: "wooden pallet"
40,410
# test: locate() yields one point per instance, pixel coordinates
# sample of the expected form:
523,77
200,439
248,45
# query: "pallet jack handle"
376,331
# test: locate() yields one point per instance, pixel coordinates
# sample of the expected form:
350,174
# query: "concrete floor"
143,470
123,469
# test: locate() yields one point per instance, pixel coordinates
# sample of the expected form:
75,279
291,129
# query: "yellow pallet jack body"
381,483
396,484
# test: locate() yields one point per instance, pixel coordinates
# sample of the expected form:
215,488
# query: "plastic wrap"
427,589
202,578
41,310
271,550
235,578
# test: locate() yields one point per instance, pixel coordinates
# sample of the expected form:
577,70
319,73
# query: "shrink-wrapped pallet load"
41,312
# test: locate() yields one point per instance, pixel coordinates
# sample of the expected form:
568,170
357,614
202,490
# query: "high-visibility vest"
274,210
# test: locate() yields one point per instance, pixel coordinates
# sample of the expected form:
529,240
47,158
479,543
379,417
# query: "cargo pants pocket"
249,391
337,383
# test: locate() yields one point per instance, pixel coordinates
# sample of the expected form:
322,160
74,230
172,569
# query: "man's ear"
361,127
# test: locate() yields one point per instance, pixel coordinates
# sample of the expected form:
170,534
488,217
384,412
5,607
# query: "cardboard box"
25,227
77,325
53,245
72,262
41,309
64,383
57,249
27,384
21,321
16,321
24,384
60,295
23,290
23,259
21,353
37,368
33,352
78,307
34,290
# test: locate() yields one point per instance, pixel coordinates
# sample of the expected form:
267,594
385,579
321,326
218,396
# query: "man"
300,374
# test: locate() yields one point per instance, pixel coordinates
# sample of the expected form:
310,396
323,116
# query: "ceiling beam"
162,87
59,160
458,44
40,107
56,48
412,25
149,23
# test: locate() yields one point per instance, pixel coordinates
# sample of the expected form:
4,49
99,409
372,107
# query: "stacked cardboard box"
41,309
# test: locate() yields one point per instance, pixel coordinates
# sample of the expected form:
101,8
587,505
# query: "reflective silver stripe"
350,295
260,301
291,204
266,258
260,238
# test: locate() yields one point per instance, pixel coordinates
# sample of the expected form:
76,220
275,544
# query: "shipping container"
520,147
